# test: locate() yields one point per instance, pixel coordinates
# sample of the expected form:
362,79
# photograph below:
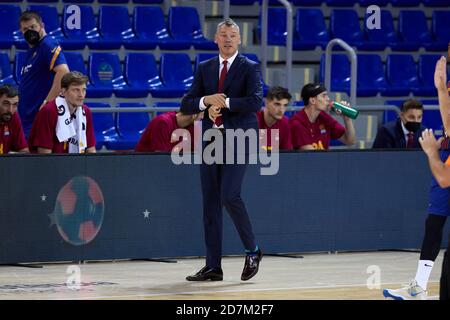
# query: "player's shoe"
410,292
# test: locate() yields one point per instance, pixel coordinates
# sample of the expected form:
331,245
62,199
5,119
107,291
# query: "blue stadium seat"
367,3
6,76
148,1
199,57
340,3
405,3
166,104
427,64
77,1
77,39
105,74
340,72
42,1
272,2
255,58
150,27
18,63
432,118
176,75
113,1
310,29
242,2
130,126
115,28
10,1
413,30
401,74
371,79
390,115
9,17
184,26
141,72
307,2
441,29
276,33
379,39
104,125
344,24
75,62
49,15
436,3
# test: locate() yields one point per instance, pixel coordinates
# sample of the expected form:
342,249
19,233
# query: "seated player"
12,138
64,125
272,117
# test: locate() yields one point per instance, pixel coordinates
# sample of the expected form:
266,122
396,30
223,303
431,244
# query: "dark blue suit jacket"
391,136
242,85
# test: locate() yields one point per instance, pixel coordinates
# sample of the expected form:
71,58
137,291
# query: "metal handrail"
354,66
289,39
226,9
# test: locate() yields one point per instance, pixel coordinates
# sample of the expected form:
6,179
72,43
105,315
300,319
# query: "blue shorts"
438,200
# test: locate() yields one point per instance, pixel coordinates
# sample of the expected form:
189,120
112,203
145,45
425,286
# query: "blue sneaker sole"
386,294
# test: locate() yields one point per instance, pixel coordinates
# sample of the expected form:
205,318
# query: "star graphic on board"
43,198
52,217
146,214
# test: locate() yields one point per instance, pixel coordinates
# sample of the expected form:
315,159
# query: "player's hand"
217,99
440,74
429,143
214,112
339,112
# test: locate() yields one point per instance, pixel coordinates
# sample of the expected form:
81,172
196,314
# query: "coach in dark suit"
229,87
405,131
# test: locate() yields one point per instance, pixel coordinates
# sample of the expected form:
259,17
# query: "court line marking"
231,291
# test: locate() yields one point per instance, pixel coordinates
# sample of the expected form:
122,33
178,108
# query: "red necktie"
410,142
223,75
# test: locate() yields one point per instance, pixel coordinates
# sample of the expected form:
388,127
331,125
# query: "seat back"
75,62
132,123
148,22
176,70
310,25
6,76
184,23
141,70
412,26
114,21
88,22
9,17
441,25
344,24
401,70
104,69
386,34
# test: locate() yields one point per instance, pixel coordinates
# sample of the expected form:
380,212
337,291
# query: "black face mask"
32,37
412,126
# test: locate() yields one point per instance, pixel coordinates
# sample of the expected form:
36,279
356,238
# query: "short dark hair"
311,90
9,91
278,93
28,15
73,77
411,104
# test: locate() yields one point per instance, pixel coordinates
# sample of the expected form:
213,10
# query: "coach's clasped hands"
217,99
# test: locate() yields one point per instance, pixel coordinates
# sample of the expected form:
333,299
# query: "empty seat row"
399,77
310,30
146,30
120,131
347,3
140,75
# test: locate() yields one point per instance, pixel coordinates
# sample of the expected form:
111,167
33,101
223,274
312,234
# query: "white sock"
423,273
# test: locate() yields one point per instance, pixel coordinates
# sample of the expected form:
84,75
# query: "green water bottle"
346,111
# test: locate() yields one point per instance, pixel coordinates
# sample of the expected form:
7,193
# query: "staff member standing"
229,87
42,70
